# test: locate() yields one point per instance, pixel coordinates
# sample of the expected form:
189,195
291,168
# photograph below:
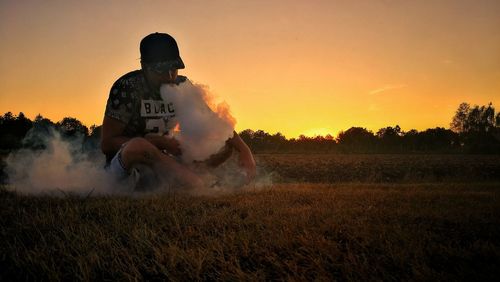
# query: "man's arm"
221,156
112,135
112,138
245,158
163,142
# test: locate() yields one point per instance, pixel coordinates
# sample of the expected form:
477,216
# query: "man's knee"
139,151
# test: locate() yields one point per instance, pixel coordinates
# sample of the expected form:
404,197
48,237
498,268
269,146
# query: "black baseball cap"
160,53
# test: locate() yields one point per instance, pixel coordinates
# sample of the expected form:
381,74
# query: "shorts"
116,167
140,177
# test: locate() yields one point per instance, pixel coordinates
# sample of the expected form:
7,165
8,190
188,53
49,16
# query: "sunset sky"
295,67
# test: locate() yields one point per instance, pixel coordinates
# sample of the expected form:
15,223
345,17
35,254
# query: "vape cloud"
56,166
204,126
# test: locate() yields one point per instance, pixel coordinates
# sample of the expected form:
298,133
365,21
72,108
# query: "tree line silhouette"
473,129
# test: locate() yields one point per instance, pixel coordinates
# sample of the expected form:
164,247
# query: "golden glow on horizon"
295,67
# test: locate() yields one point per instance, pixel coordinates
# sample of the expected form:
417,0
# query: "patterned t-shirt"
142,109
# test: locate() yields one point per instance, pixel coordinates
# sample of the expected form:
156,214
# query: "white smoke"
203,126
59,168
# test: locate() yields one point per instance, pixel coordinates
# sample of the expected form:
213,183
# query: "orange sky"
297,67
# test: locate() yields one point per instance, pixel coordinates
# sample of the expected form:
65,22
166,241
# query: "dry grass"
330,168
285,232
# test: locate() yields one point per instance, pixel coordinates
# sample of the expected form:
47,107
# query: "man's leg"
140,151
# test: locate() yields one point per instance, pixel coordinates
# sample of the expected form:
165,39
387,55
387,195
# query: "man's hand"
170,144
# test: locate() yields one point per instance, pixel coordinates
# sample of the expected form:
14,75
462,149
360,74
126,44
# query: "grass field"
372,168
333,230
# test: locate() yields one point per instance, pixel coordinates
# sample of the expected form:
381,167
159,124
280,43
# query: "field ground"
335,231
373,168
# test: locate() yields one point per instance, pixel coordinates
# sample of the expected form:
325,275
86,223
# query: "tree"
22,125
42,131
92,142
390,138
357,139
437,139
42,122
95,131
16,126
389,132
475,119
70,126
478,128
487,120
8,116
13,130
246,135
459,122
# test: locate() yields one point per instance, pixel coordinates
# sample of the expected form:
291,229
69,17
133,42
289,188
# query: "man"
133,135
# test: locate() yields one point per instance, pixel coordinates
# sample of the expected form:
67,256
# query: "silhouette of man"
137,121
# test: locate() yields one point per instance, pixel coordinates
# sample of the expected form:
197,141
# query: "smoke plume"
57,166
203,126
